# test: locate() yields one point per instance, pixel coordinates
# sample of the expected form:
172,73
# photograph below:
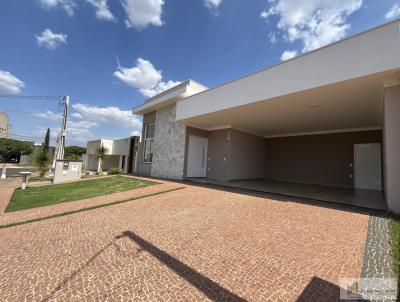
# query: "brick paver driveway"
188,245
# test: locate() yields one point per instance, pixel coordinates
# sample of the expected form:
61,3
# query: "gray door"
367,166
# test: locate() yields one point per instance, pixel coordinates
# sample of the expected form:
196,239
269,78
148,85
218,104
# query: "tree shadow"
211,289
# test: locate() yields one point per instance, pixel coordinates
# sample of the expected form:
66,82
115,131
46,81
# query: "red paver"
5,196
195,244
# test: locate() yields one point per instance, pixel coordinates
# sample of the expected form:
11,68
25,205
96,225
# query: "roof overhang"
345,79
169,97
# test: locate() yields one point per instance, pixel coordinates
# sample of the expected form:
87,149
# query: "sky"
111,55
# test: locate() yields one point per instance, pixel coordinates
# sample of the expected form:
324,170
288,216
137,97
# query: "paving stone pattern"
194,244
378,258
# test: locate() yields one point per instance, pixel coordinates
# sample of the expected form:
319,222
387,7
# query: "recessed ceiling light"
313,106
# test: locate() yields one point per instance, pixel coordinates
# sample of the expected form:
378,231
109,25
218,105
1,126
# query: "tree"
42,159
101,154
74,152
11,148
47,140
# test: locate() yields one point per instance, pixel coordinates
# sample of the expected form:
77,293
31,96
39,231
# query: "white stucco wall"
368,53
169,145
391,147
121,146
92,146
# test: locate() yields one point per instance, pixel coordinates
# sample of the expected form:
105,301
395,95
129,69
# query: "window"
148,143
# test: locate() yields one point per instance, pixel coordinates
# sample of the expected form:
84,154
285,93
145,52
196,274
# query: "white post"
4,171
25,176
99,165
59,154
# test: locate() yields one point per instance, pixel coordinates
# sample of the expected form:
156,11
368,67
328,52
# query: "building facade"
329,117
5,127
121,153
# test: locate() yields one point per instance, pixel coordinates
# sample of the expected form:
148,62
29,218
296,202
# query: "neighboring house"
5,127
330,117
121,153
36,149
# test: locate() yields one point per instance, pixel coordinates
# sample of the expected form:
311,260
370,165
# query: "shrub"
72,156
114,171
42,161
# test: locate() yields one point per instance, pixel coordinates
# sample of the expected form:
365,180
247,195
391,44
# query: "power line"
28,112
34,97
58,114
21,136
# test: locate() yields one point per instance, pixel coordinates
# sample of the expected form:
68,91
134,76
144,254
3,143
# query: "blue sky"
70,47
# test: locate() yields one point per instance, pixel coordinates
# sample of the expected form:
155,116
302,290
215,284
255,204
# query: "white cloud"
76,115
136,133
50,115
160,87
142,13
80,131
273,37
288,54
10,84
102,10
51,40
313,22
144,77
213,5
393,12
68,5
77,132
108,115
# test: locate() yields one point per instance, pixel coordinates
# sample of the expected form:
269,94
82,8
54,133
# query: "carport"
318,126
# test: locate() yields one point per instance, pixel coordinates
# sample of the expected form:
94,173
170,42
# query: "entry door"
197,156
367,166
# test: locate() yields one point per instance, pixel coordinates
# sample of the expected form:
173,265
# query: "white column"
391,147
120,163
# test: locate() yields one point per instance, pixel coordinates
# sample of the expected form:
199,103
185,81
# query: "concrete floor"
371,199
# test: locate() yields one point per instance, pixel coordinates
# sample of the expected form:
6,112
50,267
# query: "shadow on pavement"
210,288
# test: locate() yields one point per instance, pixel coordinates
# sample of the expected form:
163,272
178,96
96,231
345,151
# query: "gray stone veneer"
169,145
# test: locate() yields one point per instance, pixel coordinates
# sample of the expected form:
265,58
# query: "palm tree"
101,154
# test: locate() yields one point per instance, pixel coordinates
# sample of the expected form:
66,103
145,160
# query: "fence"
11,182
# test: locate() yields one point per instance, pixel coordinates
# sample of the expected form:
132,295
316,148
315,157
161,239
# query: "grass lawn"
395,240
37,178
53,194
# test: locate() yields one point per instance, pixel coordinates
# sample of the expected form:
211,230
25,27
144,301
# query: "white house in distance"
121,153
5,127
326,121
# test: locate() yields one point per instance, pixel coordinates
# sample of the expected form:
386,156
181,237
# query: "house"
329,118
121,153
5,127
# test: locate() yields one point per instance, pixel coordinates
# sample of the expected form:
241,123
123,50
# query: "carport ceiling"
346,105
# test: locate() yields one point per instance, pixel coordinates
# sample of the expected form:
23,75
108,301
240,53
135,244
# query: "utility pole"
59,154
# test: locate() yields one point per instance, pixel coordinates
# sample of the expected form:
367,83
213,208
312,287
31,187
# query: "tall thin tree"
47,140
42,159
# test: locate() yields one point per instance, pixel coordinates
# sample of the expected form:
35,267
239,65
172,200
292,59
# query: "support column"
391,147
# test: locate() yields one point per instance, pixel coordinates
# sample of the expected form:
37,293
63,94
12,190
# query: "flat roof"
372,51
169,96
